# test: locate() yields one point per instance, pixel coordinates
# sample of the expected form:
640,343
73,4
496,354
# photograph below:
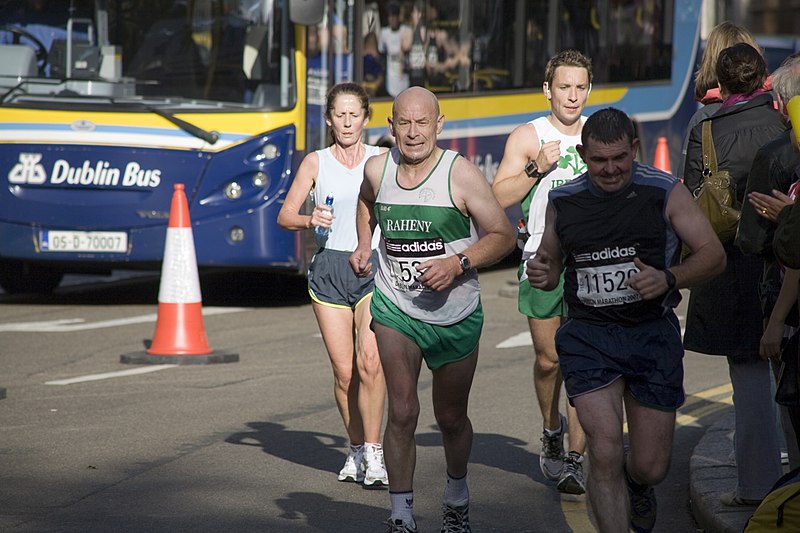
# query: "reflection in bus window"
373,67
390,45
416,42
469,46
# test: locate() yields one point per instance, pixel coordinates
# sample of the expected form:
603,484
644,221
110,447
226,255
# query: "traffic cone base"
145,357
180,337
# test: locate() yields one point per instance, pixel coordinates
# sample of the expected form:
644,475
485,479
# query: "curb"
711,474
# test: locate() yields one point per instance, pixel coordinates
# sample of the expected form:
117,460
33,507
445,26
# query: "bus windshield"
203,53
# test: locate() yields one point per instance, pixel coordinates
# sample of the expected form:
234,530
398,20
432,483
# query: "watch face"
465,264
531,169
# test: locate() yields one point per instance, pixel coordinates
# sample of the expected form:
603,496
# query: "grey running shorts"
332,282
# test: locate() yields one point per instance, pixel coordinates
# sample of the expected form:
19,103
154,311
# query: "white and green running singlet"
419,224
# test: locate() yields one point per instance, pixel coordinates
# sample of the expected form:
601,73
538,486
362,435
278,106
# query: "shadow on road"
325,452
223,289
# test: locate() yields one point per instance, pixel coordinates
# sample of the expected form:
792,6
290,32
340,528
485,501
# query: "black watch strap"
464,262
670,279
532,171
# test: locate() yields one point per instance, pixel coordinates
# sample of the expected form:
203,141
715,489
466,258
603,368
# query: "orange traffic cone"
661,160
180,337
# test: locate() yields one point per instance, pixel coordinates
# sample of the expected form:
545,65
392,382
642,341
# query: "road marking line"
726,388
576,515
516,341
107,375
67,325
695,414
692,418
521,339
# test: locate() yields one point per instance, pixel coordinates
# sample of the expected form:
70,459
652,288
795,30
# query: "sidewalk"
712,474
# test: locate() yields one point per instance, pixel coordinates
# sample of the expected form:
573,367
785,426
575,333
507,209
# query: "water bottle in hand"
522,234
329,204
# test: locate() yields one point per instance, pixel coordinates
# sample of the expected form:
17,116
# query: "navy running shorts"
648,356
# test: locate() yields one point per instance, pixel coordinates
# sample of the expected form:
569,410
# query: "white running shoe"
353,469
551,460
374,469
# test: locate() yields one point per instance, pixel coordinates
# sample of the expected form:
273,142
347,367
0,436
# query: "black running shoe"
643,506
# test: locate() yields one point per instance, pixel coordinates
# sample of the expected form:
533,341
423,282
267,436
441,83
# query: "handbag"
787,391
715,196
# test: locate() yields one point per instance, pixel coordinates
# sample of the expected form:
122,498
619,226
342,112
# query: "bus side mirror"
306,12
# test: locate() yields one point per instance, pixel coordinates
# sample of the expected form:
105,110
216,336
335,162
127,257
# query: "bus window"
457,46
42,25
231,51
636,42
215,50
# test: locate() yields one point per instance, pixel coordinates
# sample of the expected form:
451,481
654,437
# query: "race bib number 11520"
605,285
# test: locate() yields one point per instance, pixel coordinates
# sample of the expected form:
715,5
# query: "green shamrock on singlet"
573,161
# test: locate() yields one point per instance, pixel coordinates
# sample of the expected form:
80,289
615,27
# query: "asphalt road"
87,445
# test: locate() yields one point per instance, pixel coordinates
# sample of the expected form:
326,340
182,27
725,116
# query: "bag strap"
709,153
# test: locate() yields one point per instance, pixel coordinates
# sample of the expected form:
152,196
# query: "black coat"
773,168
724,315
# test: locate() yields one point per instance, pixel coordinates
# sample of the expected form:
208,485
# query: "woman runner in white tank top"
340,299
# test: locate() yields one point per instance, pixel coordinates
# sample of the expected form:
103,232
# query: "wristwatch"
532,171
670,279
464,262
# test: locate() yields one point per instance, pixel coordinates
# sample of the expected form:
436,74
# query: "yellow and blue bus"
106,104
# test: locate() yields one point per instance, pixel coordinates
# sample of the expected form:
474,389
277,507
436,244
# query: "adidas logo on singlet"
606,253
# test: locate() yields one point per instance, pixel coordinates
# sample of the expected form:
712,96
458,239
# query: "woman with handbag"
706,86
724,314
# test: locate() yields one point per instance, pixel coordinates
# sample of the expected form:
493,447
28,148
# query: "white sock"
355,448
403,507
456,492
554,432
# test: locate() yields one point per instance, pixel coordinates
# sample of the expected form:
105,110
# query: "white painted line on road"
521,339
524,338
108,375
66,325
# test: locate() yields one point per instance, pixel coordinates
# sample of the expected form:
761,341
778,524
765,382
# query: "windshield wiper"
10,91
211,137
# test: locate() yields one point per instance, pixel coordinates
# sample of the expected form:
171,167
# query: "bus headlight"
260,180
233,191
236,234
270,151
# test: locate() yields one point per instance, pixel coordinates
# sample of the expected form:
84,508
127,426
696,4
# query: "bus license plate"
83,241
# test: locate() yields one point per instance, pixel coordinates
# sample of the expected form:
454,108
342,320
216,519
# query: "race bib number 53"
605,285
405,255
